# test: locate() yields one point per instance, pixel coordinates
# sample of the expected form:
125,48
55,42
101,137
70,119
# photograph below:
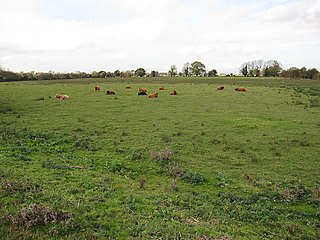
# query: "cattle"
239,89
161,88
220,88
109,92
174,92
128,87
153,95
143,90
62,97
97,88
142,93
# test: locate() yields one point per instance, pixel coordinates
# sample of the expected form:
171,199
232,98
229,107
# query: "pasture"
202,164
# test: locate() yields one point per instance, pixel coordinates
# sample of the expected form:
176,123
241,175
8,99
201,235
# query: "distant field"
203,164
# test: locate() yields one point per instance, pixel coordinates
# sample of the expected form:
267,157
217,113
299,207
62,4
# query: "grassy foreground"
203,164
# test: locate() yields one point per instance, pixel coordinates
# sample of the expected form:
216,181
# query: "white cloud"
70,35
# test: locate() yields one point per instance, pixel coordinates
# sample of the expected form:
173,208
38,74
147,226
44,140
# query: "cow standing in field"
174,92
62,97
239,89
153,95
97,88
109,92
220,88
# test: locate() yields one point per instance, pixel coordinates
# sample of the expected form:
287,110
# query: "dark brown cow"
128,87
109,92
97,88
161,88
153,95
142,93
240,89
220,88
174,92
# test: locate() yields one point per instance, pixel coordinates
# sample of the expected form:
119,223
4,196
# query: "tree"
244,69
102,74
212,73
295,72
272,68
255,68
198,68
186,69
125,74
154,74
140,72
117,73
173,71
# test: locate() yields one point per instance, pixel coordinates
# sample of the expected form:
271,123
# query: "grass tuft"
38,215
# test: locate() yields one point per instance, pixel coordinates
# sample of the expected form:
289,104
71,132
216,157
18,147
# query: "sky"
109,35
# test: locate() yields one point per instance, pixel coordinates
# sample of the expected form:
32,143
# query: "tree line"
256,68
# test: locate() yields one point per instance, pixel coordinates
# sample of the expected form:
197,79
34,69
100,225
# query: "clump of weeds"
194,178
138,154
38,215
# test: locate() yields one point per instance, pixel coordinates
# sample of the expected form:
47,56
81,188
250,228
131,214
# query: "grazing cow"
128,87
174,92
153,95
97,88
239,89
220,88
62,97
143,90
109,92
142,93
161,88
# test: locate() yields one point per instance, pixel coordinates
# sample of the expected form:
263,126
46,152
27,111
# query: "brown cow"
143,90
239,89
109,92
128,87
153,95
97,88
161,88
62,97
174,92
220,88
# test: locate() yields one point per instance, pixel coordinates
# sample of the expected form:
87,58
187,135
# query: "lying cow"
220,88
109,92
62,97
128,87
142,93
153,95
161,88
174,92
143,90
97,88
240,89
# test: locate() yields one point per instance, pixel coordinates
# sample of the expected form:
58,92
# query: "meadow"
203,164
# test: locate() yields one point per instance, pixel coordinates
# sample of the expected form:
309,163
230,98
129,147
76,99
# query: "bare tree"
173,71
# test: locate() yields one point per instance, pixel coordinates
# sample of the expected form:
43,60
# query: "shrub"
37,215
163,157
138,154
194,178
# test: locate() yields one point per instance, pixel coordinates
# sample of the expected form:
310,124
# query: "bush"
194,178
37,215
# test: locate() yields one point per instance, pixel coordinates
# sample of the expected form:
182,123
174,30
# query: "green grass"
203,164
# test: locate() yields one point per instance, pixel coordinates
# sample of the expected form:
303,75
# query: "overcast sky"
87,35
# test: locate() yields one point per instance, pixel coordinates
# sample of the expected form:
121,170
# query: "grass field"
203,164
